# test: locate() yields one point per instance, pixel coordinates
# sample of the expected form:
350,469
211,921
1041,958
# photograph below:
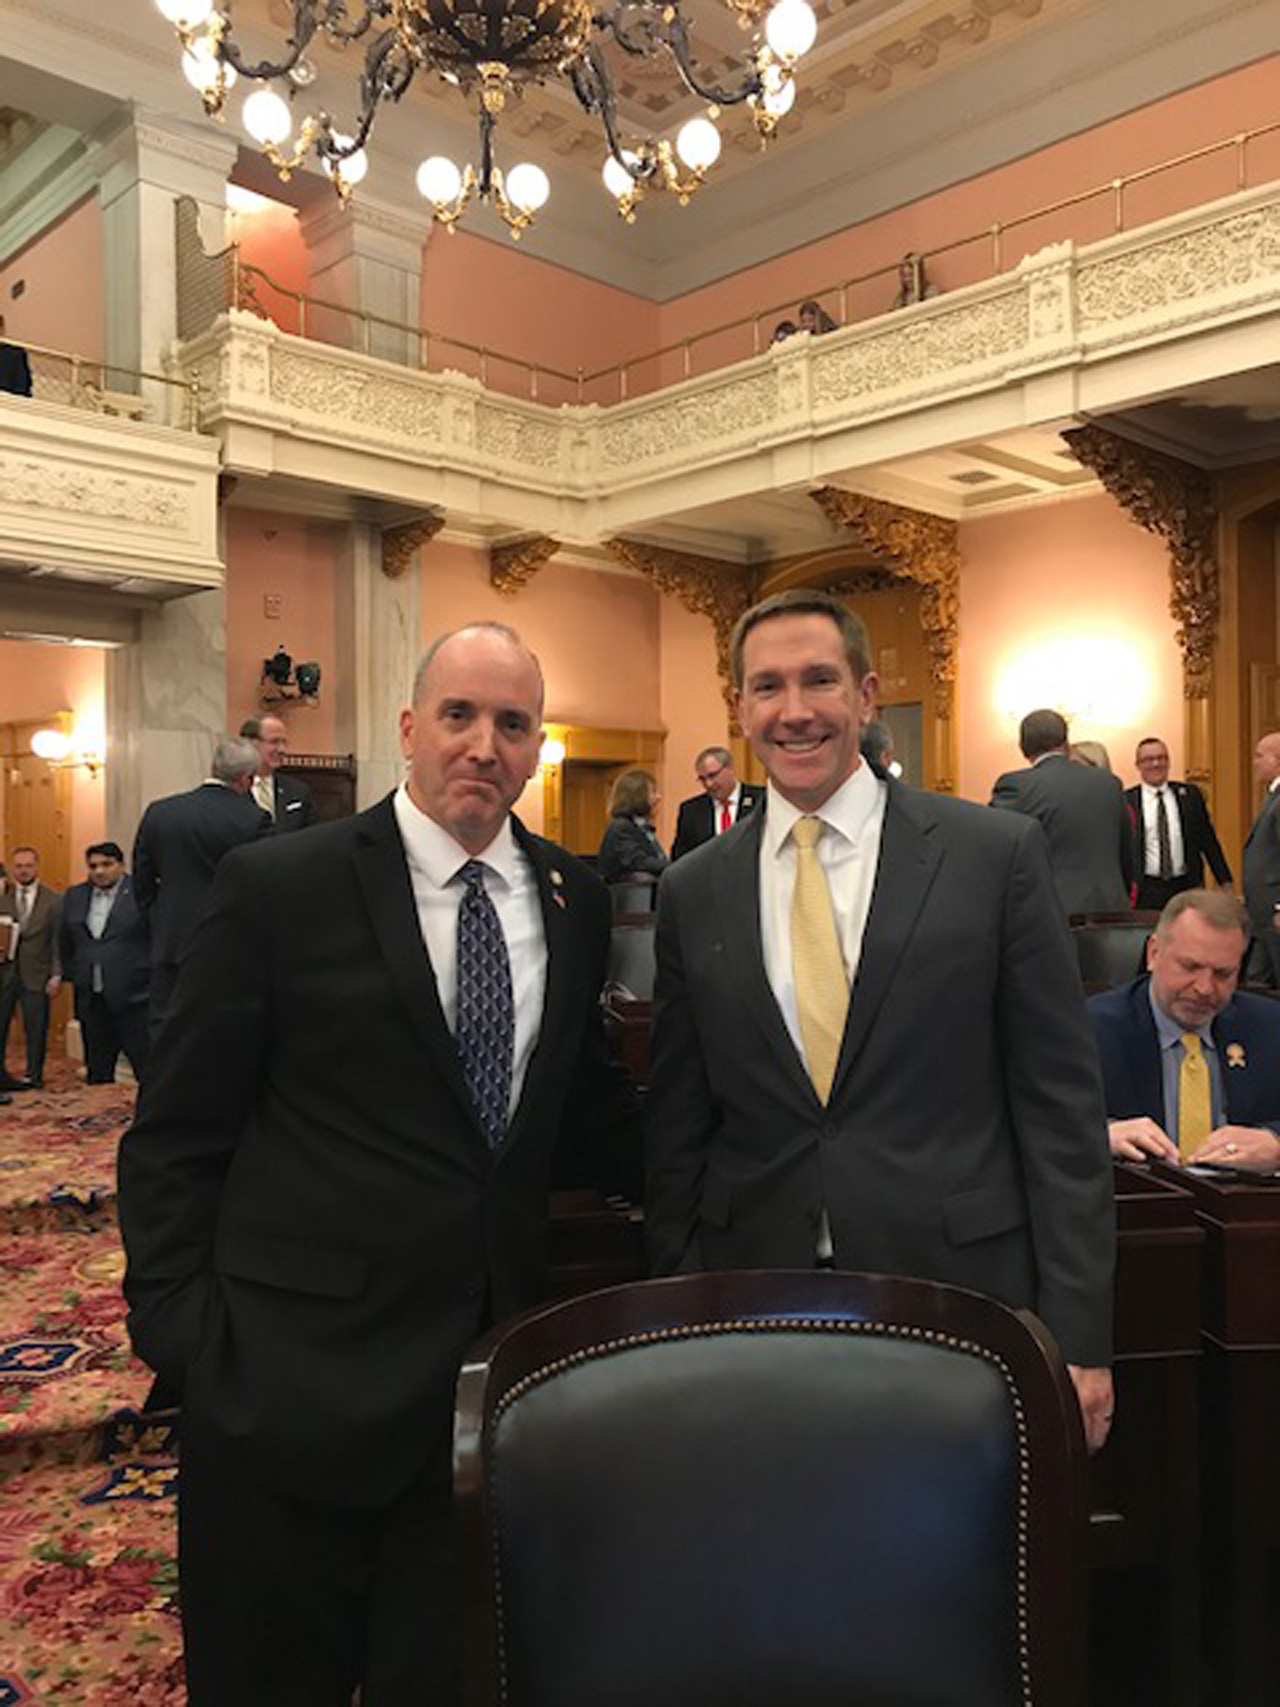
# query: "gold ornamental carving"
400,543
1175,500
909,545
707,586
517,561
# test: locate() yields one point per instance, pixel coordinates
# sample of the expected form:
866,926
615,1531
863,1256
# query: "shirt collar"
846,811
108,894
1169,1031
431,850
1150,790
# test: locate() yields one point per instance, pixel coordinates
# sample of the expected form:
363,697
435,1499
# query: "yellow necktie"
822,985
264,792
1195,1116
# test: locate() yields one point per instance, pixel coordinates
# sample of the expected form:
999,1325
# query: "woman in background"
630,846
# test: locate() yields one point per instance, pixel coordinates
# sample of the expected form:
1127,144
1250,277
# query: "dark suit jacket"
176,852
1200,843
1129,1049
15,370
38,947
295,809
964,1140
696,820
123,950
1083,814
315,1226
1262,866
626,848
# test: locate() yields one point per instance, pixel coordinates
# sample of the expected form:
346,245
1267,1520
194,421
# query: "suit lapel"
1146,1061
562,976
383,875
1233,1078
909,861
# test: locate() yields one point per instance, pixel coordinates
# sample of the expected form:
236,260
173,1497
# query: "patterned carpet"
88,1581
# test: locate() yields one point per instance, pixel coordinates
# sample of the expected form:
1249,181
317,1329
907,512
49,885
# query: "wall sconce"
58,749
552,752
283,679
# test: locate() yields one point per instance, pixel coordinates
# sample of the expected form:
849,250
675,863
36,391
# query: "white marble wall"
365,258
166,697
379,627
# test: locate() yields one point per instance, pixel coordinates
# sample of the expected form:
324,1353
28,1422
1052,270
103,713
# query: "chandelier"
489,50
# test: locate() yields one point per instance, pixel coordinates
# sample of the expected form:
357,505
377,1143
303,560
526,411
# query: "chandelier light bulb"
779,102
617,180
698,144
50,744
528,187
791,29
185,14
200,66
439,180
267,117
353,168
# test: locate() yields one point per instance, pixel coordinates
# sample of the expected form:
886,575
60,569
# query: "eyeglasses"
706,778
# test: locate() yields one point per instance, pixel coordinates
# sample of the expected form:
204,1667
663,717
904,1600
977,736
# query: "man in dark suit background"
718,808
176,852
871,1049
339,1176
106,956
284,799
1174,833
1262,866
1082,813
33,975
1191,1065
15,367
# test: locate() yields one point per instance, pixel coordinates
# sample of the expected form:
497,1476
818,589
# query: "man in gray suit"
1081,810
871,1049
1262,866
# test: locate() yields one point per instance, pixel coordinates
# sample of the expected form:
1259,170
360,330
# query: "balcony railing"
211,284
105,388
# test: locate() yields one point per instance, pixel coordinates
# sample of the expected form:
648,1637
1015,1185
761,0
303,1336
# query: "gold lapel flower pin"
1235,1055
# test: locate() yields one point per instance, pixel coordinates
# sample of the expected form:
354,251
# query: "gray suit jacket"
1083,814
964,1140
1261,872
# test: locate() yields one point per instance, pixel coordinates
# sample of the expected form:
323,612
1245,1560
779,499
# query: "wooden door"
37,813
1264,716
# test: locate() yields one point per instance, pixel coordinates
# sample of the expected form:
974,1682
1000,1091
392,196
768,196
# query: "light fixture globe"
791,29
201,67
185,14
528,39
528,187
439,180
267,118
698,144
351,168
50,744
617,180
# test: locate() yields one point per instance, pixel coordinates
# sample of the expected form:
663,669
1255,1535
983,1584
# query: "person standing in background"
106,957
33,975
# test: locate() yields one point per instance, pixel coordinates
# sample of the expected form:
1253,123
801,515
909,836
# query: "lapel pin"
1235,1055
556,877
558,898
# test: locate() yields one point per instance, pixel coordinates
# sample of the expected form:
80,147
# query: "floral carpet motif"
58,1154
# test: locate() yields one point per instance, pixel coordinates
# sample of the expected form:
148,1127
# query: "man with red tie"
718,808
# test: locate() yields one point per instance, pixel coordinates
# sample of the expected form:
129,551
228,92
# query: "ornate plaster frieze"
665,428
704,585
94,494
934,349
400,543
1175,500
517,561
910,545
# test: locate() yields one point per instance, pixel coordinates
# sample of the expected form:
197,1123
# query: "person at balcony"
1261,873
783,330
285,800
815,319
385,1034
913,286
176,853
32,974
1190,1064
630,845
718,808
1083,814
1175,834
106,958
15,366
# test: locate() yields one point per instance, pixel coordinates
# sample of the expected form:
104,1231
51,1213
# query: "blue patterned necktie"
486,1025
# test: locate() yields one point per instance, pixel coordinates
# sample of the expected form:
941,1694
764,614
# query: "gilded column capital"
517,561
707,586
1175,500
400,543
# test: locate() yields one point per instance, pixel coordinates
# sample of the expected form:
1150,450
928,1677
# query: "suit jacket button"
830,1130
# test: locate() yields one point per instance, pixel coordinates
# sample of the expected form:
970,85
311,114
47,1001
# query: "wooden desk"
628,1023
1241,1435
1144,1508
593,1244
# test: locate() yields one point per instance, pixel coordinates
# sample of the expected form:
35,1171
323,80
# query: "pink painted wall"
1067,606
35,681
269,238
61,307
693,708
292,558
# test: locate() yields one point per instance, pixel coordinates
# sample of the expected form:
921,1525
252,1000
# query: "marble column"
145,163
379,627
367,259
166,706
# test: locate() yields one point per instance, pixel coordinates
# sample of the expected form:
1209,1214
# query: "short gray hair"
1220,911
501,628
233,758
721,755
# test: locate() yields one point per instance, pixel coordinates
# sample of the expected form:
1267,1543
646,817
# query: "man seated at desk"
1190,1066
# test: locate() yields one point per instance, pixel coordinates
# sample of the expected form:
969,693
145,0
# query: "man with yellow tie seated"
1191,1066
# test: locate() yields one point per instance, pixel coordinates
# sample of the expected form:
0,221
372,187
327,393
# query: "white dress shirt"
435,860
101,901
849,850
1150,838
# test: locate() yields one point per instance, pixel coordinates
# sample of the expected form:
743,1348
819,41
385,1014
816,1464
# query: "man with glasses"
1176,837
720,805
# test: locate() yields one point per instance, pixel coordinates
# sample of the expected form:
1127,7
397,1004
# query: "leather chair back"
1110,954
632,959
768,1490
